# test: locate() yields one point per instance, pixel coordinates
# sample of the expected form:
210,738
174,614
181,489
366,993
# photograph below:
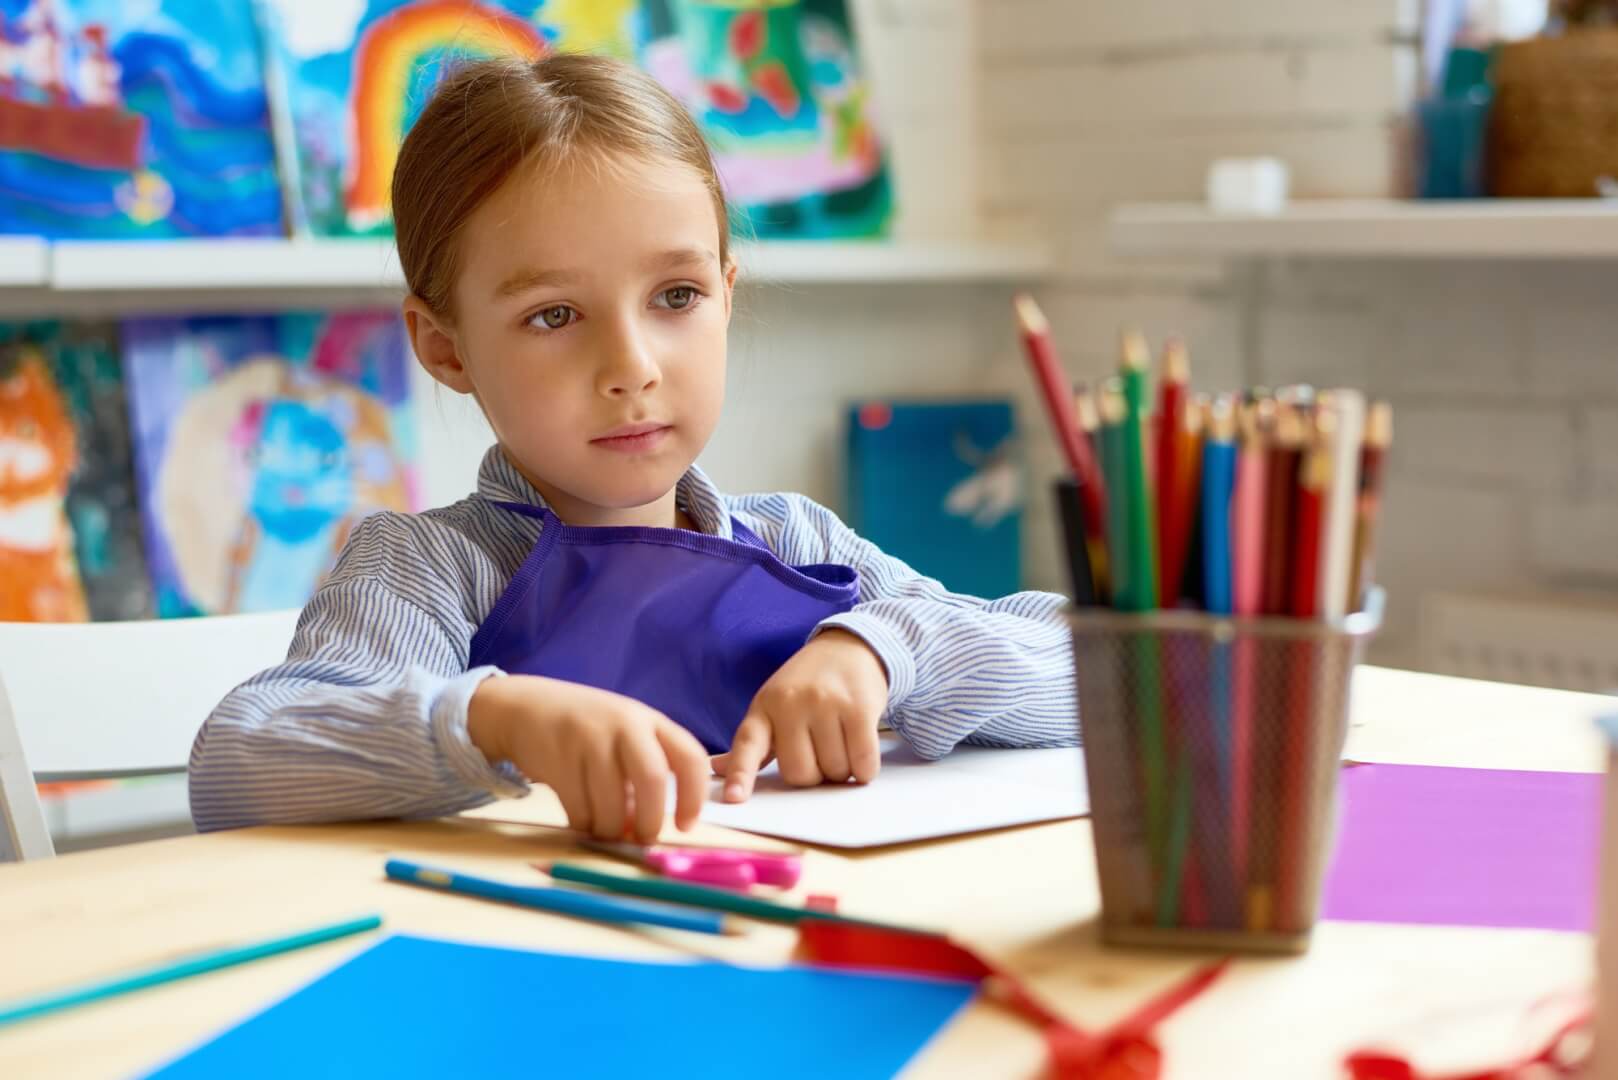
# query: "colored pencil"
1299,742
1054,388
1247,515
1308,509
172,970
1176,842
670,891
1139,592
1168,471
1218,480
1110,406
1257,423
581,905
1089,416
1280,487
1345,433
1378,437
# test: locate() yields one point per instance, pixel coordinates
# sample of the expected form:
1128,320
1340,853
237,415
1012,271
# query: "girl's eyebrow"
525,278
678,258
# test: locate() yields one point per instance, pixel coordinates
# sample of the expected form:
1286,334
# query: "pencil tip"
1028,314
1176,361
1137,354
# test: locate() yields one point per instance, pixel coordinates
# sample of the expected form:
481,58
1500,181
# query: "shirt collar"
499,480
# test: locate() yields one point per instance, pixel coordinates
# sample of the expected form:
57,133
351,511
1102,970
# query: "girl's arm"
365,719
960,669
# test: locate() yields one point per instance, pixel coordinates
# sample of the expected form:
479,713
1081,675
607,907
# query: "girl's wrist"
486,719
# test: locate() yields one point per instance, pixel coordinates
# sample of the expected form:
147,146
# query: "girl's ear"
437,348
730,285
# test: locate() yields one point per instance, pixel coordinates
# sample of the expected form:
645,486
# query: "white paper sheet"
970,790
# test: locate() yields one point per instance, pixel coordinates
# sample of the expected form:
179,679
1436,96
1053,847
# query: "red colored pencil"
1168,468
1298,746
1054,388
1280,487
1378,437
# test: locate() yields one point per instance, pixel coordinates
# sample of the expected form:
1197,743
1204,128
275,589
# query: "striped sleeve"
960,669
367,716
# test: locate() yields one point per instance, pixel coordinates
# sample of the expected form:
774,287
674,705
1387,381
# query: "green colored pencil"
683,892
178,969
1169,889
1142,594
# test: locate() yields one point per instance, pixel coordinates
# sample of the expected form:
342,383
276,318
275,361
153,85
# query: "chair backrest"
118,698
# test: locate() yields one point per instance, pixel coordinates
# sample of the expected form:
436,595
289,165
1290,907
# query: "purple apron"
690,624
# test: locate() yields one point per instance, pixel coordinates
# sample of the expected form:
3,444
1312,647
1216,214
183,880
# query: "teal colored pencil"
178,969
582,905
1110,404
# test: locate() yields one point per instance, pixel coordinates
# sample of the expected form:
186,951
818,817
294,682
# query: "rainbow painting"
775,85
134,120
355,76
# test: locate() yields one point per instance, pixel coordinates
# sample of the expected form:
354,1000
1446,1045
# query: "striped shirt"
367,716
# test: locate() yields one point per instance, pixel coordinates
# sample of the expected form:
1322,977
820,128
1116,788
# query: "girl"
598,617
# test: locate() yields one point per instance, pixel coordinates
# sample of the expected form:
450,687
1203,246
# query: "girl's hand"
607,757
818,714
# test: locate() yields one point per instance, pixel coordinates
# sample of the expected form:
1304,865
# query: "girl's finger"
831,753
864,748
646,769
748,751
606,786
686,758
795,750
570,790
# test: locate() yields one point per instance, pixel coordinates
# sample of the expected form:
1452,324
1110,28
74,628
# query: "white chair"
113,699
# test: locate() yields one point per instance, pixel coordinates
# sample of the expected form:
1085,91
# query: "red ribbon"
1124,1051
1565,1054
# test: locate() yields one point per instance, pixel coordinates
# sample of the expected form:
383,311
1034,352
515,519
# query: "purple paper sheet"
1466,847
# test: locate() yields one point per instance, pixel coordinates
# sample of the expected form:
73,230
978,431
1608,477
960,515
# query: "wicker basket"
1554,131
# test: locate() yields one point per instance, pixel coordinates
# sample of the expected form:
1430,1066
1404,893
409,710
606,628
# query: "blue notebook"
418,1007
939,486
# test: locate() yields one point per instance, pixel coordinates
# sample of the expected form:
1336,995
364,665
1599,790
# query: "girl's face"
591,315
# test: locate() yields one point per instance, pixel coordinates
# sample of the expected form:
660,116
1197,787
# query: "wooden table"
1026,896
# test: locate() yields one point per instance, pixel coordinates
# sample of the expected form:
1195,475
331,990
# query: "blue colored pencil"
1218,481
178,969
583,905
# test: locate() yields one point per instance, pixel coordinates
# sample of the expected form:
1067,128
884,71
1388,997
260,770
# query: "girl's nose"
630,368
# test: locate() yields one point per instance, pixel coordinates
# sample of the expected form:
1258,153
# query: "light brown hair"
489,118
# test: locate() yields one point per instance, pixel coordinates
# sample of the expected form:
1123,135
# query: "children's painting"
939,485
134,120
259,442
70,541
777,88
775,85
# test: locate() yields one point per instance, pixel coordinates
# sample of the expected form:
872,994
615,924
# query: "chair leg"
23,834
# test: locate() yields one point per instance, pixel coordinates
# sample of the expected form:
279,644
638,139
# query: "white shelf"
1482,229
276,273
82,266
24,261
893,262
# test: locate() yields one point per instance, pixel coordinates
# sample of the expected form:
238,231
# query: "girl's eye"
556,317
678,298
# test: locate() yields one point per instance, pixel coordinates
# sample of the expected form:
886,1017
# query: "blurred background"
203,382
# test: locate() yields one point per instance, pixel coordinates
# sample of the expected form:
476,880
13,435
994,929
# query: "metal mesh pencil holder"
1212,747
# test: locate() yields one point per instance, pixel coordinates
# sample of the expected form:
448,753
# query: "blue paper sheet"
417,1007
